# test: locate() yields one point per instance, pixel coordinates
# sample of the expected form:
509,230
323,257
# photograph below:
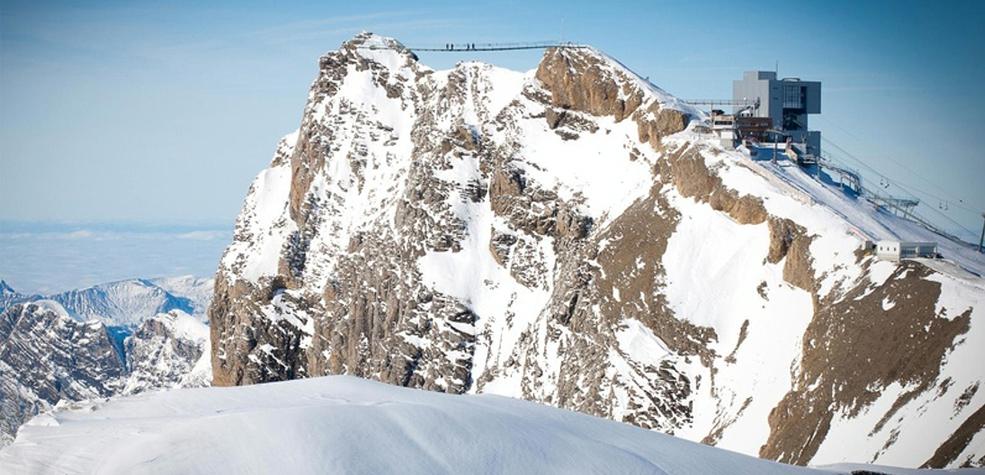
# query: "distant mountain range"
125,303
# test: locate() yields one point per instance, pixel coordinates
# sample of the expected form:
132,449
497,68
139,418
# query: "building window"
792,97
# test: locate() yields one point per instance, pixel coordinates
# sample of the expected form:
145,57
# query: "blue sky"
164,112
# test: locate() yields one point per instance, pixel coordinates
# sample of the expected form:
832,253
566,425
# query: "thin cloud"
80,234
203,235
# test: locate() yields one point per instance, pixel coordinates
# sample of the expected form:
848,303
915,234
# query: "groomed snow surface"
343,424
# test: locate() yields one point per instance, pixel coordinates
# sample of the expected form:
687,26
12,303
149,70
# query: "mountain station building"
786,102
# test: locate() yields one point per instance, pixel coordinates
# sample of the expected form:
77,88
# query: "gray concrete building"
787,101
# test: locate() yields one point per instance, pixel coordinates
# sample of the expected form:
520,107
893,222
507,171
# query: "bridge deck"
470,47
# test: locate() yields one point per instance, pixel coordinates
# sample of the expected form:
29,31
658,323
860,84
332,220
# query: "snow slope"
341,424
575,236
866,218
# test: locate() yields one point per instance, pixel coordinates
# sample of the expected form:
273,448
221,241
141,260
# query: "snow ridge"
342,424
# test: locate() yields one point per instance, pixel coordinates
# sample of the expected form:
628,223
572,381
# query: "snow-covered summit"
576,236
380,49
7,294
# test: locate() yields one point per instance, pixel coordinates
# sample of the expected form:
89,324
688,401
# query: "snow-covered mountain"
576,236
46,356
197,290
170,350
126,303
341,424
8,296
49,355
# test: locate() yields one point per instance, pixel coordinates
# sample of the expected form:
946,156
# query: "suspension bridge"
470,47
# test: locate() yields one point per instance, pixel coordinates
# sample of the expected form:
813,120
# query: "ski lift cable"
904,188
957,200
885,179
909,188
950,220
940,189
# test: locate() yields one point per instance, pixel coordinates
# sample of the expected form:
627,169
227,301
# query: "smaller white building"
723,125
896,250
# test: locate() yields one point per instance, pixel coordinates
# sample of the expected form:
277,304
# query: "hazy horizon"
46,258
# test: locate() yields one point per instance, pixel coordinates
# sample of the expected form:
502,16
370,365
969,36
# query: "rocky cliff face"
47,357
167,351
576,236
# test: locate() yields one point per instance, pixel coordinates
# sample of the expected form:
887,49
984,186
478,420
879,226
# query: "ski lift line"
830,158
915,216
885,182
949,219
886,199
913,213
901,165
913,195
952,199
912,189
883,179
927,224
957,203
908,188
923,221
877,172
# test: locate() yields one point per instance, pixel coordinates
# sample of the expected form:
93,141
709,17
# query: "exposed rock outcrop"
167,351
48,357
859,347
45,357
576,237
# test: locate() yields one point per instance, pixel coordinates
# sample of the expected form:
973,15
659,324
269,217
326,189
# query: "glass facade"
793,97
